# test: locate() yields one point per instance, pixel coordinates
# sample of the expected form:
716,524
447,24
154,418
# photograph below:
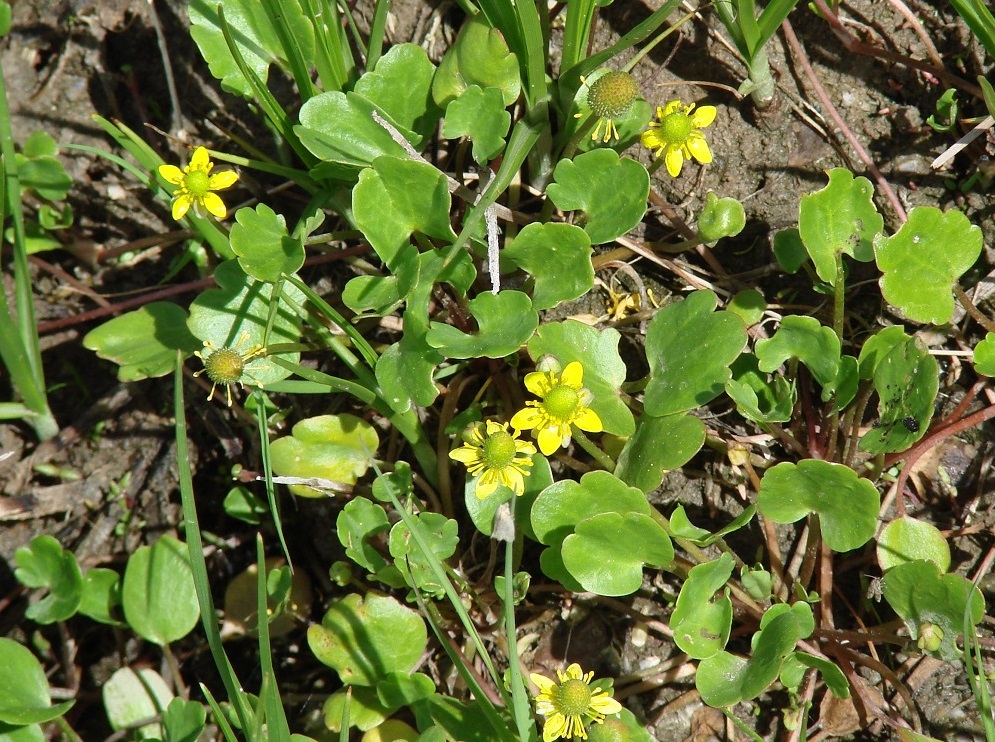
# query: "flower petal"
222,180
650,139
698,147
214,204
514,480
554,728
671,107
544,684
526,419
538,382
674,159
605,704
574,672
171,174
200,160
587,419
526,448
486,485
549,441
466,455
182,205
573,375
702,117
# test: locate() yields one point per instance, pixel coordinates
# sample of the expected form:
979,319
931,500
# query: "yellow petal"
605,705
171,174
671,107
182,205
573,375
555,727
526,419
214,204
674,159
587,419
524,447
465,455
222,180
574,672
493,427
549,441
698,147
486,488
544,684
538,383
702,117
200,160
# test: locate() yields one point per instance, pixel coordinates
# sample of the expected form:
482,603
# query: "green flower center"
612,94
561,402
196,181
676,127
499,450
224,366
574,697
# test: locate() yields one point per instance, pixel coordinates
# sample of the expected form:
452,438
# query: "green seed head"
612,95
196,181
561,402
675,127
574,697
224,366
499,450
611,730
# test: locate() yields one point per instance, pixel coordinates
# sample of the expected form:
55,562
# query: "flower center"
224,366
499,450
675,127
574,697
561,402
196,181
612,94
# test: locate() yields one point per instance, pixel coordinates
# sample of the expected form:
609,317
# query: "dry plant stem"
845,653
799,52
811,552
805,696
826,585
449,403
976,314
770,537
69,280
916,25
176,120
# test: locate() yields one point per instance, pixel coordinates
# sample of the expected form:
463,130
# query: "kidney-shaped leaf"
611,191
659,445
690,347
558,257
924,259
339,127
906,539
24,691
158,593
400,86
358,522
806,339
479,115
442,535
131,697
335,447
45,564
366,638
984,356
264,248
562,505
505,322
701,622
480,56
606,552
846,504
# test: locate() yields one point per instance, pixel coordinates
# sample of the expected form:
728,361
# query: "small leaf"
335,447
405,372
789,250
906,539
805,339
184,720
681,526
101,596
847,505
659,445
758,396
606,553
480,116
832,675
921,595
264,248
984,356
131,697
45,564
45,176
611,192
564,504
720,217
924,259
400,86
840,219
396,198
748,305
505,321
701,622
339,127
25,697
604,371
479,56
158,593
558,256
442,535
689,347
366,638
144,342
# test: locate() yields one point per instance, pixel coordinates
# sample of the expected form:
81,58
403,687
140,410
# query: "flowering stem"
588,445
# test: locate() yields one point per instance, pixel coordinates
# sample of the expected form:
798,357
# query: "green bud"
610,730
721,217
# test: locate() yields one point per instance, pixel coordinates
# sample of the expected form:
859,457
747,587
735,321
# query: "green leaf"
24,691
689,347
397,198
44,175
480,116
131,697
358,522
101,596
701,622
335,447
400,86
906,380
404,689
659,445
921,595
184,720
257,39
366,638
921,262
758,396
480,56
749,305
789,250
406,369
984,356
365,710
158,594
806,339
505,322
558,257
144,342
264,248
442,534
832,675
606,552
681,526
724,680
720,217
840,219
846,504
45,564
339,127
604,372
906,539
235,315
611,192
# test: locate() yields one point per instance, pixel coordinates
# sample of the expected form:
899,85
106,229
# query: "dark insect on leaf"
911,424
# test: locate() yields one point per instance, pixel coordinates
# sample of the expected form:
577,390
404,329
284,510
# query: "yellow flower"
227,366
571,704
564,403
497,456
195,185
677,134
